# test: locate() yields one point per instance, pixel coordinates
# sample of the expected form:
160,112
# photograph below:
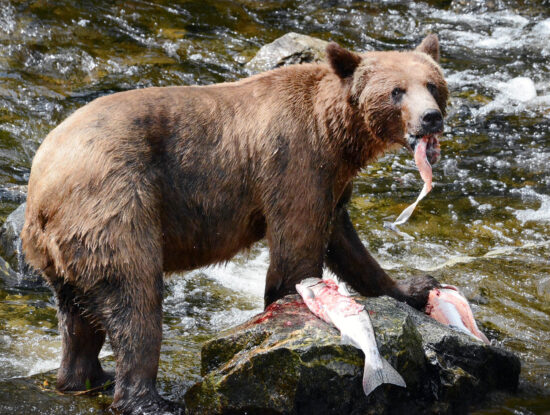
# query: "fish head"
310,282
304,288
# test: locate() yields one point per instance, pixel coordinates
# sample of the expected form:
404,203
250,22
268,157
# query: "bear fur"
146,182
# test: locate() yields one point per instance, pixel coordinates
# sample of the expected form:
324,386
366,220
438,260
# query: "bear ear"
430,46
342,61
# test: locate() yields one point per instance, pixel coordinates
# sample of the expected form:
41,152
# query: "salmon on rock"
447,305
325,301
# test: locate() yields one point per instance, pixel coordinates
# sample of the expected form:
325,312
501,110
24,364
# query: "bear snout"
431,122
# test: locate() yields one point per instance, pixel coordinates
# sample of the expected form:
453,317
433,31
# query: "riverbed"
485,227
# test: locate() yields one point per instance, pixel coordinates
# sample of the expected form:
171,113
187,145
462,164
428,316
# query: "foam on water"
500,33
247,277
7,18
515,96
542,214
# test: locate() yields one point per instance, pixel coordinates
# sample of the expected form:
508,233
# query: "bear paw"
75,381
415,290
156,406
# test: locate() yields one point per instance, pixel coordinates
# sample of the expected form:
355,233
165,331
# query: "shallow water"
484,227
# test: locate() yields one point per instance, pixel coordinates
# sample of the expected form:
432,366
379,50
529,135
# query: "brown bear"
159,180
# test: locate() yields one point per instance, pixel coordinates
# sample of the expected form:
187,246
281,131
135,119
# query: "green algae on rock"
287,361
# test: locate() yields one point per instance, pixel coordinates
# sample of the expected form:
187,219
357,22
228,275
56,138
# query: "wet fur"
159,180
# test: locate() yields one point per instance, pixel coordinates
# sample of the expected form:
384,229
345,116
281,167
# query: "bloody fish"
326,302
447,305
427,149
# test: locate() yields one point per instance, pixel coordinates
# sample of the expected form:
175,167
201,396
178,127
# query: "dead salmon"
448,306
326,302
427,147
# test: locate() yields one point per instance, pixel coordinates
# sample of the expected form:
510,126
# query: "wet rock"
13,194
287,361
519,89
287,50
22,274
37,395
7,274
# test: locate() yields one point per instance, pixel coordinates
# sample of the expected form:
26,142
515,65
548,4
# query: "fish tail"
374,377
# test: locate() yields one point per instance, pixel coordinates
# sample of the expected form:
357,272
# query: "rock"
287,50
13,194
36,394
22,275
287,361
9,234
519,89
7,274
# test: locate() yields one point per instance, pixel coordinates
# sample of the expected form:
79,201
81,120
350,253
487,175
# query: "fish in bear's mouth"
433,151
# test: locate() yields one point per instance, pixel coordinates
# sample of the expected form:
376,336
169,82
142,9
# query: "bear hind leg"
82,340
134,324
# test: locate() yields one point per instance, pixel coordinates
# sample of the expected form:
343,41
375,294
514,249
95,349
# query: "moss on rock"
287,361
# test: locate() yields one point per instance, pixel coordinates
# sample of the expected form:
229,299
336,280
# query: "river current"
485,226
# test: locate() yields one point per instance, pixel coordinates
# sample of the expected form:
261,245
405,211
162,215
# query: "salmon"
325,301
448,306
426,148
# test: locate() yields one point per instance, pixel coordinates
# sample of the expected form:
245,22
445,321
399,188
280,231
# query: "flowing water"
485,226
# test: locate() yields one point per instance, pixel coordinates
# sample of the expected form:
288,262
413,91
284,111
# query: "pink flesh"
422,163
435,150
327,298
448,294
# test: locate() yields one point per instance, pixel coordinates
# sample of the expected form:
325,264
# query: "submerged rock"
21,274
287,50
36,395
287,361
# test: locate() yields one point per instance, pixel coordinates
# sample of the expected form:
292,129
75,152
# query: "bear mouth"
433,151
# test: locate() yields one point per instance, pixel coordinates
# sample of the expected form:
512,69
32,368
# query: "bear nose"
432,121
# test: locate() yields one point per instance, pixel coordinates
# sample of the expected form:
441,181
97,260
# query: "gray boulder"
13,194
21,274
287,50
287,361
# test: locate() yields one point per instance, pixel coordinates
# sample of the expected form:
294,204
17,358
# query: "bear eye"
432,88
397,94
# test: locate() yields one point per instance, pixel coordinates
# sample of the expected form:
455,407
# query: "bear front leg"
81,343
348,258
297,241
286,270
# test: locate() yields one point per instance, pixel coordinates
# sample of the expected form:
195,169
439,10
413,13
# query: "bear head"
401,96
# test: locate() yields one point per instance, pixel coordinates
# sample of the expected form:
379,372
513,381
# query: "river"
485,226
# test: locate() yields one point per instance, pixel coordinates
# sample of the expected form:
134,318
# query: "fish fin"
374,377
462,329
482,336
348,340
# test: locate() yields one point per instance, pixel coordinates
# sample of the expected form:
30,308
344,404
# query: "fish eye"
432,88
397,94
